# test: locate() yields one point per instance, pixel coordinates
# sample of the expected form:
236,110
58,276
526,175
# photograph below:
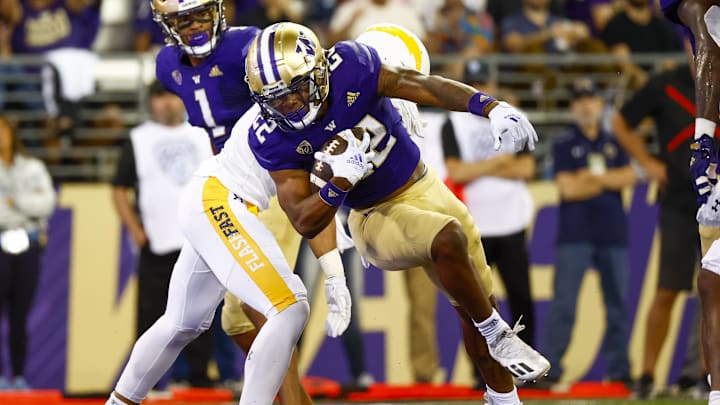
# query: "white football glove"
510,124
354,163
709,212
339,304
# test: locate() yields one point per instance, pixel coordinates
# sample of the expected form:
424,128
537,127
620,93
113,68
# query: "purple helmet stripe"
272,56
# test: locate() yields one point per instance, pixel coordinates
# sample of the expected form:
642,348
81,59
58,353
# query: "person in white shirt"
496,194
27,199
156,163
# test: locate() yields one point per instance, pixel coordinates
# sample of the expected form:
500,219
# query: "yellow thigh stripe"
408,40
243,248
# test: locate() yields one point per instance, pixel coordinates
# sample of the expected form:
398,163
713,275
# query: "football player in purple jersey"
204,64
402,215
701,18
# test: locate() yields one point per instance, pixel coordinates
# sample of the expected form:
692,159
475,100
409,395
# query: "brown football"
336,145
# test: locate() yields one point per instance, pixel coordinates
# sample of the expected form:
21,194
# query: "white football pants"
226,248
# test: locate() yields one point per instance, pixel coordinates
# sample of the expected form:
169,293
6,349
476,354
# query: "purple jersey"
354,101
214,92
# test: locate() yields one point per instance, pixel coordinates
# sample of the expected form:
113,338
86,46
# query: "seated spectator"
68,75
637,29
460,30
594,13
536,30
353,16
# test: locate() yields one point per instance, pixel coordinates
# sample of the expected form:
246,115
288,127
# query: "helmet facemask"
198,44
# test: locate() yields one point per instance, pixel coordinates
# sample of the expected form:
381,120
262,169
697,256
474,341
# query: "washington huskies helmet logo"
304,45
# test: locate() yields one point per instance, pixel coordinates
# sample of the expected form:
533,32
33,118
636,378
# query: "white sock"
503,398
704,127
714,398
269,356
491,327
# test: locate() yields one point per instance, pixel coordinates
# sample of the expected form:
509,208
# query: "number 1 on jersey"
202,99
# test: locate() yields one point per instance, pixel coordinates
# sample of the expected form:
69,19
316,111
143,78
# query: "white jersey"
499,206
165,159
236,168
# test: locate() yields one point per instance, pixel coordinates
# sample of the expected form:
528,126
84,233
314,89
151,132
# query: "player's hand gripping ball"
333,151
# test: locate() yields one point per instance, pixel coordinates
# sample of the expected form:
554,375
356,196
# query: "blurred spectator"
268,12
63,31
158,160
667,98
593,13
637,29
495,191
501,9
591,169
353,16
27,199
148,34
536,30
461,31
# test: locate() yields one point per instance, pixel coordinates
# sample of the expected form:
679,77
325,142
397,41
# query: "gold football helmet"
177,16
288,75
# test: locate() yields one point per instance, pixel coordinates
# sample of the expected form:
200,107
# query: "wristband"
478,102
332,195
331,264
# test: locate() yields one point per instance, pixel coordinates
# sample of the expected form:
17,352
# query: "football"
321,173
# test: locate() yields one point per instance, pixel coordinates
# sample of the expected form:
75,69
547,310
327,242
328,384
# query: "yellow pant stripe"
408,40
243,248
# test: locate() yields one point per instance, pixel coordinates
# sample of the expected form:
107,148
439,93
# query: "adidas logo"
331,126
520,369
332,193
215,71
351,97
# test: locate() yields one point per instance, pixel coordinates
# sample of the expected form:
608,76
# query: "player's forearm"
309,216
436,91
325,241
707,84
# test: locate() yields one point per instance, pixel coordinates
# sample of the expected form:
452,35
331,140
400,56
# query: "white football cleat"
521,360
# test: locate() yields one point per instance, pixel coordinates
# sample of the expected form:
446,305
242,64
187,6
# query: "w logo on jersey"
304,45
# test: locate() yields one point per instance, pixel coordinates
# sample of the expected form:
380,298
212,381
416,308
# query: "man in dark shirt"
668,99
638,30
590,169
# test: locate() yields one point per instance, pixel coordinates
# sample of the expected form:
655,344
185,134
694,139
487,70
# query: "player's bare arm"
305,209
509,126
707,83
409,84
